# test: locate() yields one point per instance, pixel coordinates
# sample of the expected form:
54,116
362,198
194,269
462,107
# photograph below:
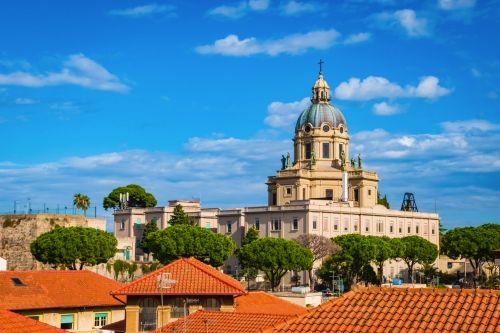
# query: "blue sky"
200,97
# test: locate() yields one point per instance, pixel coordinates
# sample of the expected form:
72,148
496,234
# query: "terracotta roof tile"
192,278
382,310
56,289
261,302
14,323
228,322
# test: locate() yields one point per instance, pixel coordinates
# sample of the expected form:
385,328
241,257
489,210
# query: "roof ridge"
238,313
196,263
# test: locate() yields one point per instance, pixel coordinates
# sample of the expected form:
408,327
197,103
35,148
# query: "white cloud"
384,109
467,125
407,19
284,115
493,95
25,101
358,38
297,8
78,70
456,4
66,106
240,9
292,44
475,72
142,10
378,87
258,4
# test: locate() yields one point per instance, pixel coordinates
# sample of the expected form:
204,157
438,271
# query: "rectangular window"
356,195
329,194
100,319
409,227
122,224
288,191
257,224
369,192
138,223
325,223
326,150
315,223
380,226
417,228
228,226
274,199
400,227
137,242
276,224
367,225
341,149
346,224
295,224
433,229
229,270
335,224
391,227
207,225
67,322
425,228
355,225
34,317
308,151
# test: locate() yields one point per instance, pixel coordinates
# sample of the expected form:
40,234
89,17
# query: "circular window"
341,130
326,128
307,129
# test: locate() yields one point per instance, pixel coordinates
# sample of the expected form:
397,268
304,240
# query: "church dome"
316,114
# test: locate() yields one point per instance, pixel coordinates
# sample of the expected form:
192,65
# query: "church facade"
321,191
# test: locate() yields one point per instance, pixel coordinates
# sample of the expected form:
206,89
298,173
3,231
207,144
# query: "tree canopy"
184,241
383,201
473,243
357,251
81,202
418,250
138,197
320,247
74,247
180,217
275,257
148,229
247,270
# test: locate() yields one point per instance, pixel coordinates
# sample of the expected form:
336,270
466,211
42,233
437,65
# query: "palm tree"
81,201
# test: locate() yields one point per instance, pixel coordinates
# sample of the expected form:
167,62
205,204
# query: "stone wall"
18,231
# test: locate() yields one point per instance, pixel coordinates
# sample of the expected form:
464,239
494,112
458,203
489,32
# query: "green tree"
275,257
247,270
81,202
184,241
418,250
384,251
368,275
138,197
473,243
180,217
357,251
383,201
74,247
148,229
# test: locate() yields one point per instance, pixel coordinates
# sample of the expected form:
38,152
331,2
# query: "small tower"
409,203
320,90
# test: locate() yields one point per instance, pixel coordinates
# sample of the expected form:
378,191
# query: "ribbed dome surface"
316,114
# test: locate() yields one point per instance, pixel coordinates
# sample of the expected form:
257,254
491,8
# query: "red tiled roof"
14,323
215,321
192,278
56,289
402,311
261,302
117,326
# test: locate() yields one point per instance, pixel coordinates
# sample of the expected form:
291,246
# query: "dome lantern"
320,90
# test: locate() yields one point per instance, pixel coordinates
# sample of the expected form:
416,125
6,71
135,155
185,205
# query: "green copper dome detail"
316,114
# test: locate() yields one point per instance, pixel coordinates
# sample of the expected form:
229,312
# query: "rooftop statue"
283,162
313,158
360,162
353,162
288,165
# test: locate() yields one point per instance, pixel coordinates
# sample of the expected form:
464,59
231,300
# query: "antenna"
409,204
164,282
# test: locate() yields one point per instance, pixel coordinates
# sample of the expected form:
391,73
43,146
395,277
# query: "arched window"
322,95
147,314
177,308
210,304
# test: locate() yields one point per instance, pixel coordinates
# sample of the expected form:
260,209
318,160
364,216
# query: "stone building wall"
18,231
